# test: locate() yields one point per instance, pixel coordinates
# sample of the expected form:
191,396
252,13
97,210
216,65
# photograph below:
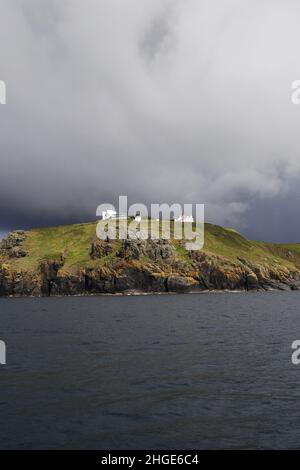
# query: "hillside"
69,260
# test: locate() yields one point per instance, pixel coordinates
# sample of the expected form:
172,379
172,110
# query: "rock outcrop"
13,245
155,250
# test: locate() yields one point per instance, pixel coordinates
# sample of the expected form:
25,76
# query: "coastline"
71,261
148,294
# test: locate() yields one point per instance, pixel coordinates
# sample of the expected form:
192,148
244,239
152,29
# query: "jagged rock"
98,281
181,284
25,284
295,286
6,280
135,279
12,245
160,250
18,252
100,248
252,281
155,250
49,275
67,284
282,286
132,249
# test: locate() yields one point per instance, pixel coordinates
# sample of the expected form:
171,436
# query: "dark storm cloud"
165,101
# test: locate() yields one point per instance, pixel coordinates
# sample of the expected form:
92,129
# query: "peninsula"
70,260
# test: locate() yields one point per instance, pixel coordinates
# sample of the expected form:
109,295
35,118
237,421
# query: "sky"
176,101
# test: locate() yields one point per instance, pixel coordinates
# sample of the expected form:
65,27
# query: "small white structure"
111,214
185,218
138,217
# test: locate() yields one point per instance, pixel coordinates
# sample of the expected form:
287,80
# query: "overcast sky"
160,100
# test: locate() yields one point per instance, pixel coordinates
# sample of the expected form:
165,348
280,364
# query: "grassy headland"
227,260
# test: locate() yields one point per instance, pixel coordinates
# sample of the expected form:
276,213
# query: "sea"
190,371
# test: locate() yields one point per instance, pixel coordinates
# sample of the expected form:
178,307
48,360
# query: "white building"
138,217
185,218
111,214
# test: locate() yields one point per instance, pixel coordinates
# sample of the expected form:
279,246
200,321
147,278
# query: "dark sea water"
185,371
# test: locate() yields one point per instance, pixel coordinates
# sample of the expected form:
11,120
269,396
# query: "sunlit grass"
73,244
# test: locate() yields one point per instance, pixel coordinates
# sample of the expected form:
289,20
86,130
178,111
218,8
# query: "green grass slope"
73,242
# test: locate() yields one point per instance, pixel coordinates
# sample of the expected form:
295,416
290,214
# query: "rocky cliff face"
135,266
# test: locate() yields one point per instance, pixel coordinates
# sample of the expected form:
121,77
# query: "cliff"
70,260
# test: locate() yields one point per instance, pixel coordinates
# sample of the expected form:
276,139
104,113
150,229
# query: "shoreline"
147,294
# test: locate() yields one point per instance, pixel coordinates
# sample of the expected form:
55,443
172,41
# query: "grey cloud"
165,101
159,38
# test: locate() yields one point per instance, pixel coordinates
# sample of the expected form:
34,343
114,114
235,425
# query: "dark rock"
49,275
282,286
155,250
97,281
132,249
100,248
252,281
181,284
160,250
